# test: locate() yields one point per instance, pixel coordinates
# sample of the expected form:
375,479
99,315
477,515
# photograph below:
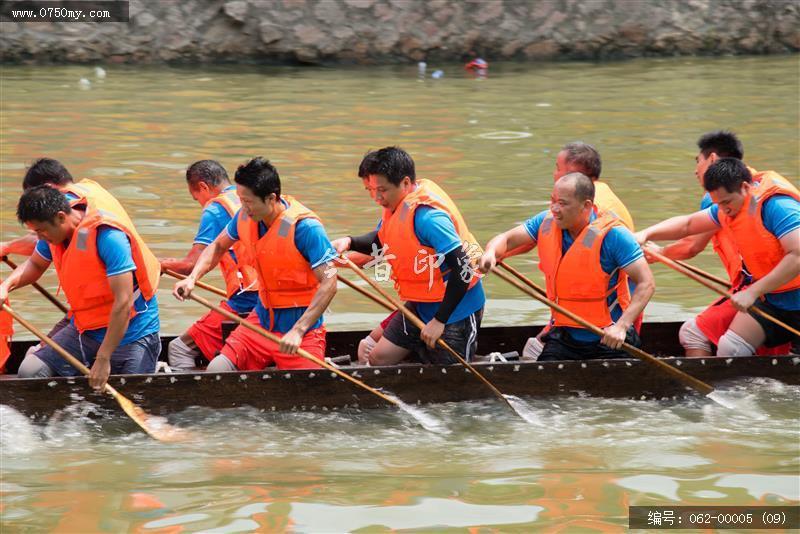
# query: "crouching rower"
581,254
763,221
109,277
292,256
210,187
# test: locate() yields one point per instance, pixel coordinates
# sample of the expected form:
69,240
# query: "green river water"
491,144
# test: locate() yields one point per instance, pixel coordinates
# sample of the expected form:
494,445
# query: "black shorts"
462,336
560,345
775,334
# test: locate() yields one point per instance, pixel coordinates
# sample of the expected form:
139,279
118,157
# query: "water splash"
428,422
743,405
524,410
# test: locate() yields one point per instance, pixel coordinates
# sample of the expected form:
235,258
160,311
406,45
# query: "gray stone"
329,12
237,10
270,33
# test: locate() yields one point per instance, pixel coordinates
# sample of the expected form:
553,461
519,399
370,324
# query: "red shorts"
389,318
714,321
206,332
249,351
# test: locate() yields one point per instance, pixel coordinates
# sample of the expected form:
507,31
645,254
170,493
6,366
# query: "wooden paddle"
673,265
159,430
704,274
198,283
416,321
345,281
690,381
301,352
39,288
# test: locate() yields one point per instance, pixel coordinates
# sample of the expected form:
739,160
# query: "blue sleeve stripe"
204,241
229,235
45,258
451,249
121,271
633,260
329,256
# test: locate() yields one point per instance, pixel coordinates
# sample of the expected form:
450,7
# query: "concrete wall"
391,31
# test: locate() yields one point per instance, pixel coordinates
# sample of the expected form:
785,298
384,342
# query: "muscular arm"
640,273
678,227
122,288
25,274
509,243
185,265
24,246
322,298
688,247
208,260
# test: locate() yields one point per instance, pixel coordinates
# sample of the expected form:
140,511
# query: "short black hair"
46,171
585,155
207,170
584,186
392,162
723,143
729,173
366,162
259,176
41,203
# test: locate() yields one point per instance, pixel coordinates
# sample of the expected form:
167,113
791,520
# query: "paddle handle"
198,283
694,383
522,278
301,352
676,266
45,293
701,272
416,321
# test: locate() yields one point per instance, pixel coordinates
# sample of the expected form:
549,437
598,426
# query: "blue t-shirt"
212,222
781,215
435,229
114,250
619,249
313,243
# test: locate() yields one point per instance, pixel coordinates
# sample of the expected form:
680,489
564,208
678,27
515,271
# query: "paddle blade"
156,427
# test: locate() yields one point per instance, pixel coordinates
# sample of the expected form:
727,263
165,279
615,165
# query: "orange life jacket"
760,250
82,274
575,279
285,277
6,331
408,256
607,202
89,189
237,274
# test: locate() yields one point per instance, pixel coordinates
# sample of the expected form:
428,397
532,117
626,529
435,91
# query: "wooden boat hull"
322,390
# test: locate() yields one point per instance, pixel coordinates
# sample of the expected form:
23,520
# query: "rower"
697,334
424,238
762,219
585,159
581,254
48,171
210,187
366,345
287,245
51,172
109,277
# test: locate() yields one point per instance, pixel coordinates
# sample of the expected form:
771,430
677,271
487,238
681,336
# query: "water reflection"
376,470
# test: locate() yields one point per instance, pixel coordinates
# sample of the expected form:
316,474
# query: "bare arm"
122,288
678,227
688,247
185,265
639,272
507,244
24,246
322,298
25,274
208,259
